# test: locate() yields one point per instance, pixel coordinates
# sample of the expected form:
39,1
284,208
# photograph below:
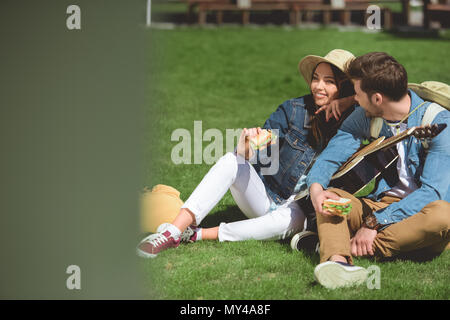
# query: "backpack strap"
377,123
431,113
375,127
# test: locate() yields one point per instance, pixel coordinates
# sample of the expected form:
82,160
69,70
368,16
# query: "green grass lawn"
234,77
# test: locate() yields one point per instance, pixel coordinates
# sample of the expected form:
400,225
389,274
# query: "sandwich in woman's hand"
341,207
263,139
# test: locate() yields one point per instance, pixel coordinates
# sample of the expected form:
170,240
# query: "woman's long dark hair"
321,131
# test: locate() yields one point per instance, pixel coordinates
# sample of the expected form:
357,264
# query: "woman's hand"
243,147
336,107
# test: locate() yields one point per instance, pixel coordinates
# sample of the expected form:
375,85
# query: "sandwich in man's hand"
341,207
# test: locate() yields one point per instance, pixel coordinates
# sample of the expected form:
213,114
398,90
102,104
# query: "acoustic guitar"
376,160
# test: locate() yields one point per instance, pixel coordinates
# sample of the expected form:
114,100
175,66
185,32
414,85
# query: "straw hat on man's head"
433,91
336,57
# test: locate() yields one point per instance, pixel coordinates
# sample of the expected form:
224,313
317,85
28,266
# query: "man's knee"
437,214
439,205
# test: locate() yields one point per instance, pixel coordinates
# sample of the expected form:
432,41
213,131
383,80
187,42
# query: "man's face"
364,101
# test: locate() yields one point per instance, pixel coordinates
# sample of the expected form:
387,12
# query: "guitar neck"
393,140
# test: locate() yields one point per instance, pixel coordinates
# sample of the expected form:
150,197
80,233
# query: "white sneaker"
334,275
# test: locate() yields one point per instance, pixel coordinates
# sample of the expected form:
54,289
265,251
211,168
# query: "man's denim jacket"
295,153
430,168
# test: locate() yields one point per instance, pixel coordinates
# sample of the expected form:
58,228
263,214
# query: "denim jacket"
295,153
430,168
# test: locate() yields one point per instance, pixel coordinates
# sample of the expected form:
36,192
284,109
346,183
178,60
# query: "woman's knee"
228,157
229,161
293,217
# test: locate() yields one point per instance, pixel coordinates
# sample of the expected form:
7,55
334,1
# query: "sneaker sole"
144,254
332,275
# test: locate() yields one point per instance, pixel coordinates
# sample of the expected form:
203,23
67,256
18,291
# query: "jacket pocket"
296,139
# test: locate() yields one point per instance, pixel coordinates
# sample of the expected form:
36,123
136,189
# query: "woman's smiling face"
323,85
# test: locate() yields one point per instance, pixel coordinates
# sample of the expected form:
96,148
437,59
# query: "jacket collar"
415,118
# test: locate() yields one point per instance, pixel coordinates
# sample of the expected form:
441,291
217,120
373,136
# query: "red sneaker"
150,246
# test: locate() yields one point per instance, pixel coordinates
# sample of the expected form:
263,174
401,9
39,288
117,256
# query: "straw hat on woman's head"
336,57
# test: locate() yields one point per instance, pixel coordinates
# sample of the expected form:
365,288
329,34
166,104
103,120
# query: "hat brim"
309,63
428,94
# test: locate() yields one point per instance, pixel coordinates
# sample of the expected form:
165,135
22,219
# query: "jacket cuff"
383,217
322,182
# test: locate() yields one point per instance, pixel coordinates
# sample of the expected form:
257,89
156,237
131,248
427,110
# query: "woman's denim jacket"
430,168
295,153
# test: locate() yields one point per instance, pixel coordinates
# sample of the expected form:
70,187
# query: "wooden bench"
219,6
294,7
431,10
404,3
345,13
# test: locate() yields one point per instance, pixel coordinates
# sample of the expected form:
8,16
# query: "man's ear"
377,99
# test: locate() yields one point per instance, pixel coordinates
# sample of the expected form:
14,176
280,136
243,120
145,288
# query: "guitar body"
362,170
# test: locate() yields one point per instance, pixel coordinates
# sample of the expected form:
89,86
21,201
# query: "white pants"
234,173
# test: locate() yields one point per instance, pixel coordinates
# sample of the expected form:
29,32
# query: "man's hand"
362,243
318,196
243,147
336,107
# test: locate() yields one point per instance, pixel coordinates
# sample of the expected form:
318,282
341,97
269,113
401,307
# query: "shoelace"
187,234
317,250
159,241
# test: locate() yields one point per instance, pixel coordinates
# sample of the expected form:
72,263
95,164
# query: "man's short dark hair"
379,72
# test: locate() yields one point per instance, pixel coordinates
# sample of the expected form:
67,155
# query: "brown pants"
427,228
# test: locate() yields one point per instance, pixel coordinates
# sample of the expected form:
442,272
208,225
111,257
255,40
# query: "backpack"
159,205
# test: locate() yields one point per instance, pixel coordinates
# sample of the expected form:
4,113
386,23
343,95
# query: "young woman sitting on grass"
267,199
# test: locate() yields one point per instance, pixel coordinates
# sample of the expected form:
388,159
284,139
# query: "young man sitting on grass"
409,214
